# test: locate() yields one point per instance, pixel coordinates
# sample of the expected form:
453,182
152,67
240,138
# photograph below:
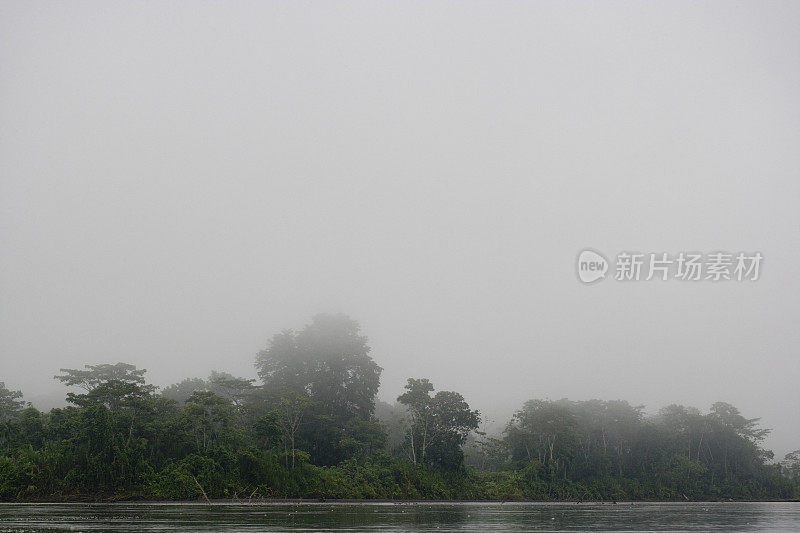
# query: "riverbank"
134,499
376,479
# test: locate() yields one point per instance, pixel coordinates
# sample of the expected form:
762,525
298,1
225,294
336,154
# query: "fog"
181,181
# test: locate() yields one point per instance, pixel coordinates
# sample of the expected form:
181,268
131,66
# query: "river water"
478,517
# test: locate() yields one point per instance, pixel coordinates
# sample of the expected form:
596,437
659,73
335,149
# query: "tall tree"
328,363
210,417
116,386
544,431
438,425
288,415
182,390
418,401
730,417
238,391
11,403
790,466
93,375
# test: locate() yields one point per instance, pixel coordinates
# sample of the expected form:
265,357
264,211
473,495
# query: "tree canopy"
439,424
11,403
328,363
310,429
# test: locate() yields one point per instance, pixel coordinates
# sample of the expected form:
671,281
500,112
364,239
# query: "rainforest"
310,427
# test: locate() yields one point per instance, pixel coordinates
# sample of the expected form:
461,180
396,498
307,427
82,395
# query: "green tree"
11,403
238,391
181,391
210,418
544,431
327,362
93,375
288,415
392,419
790,466
730,417
418,401
439,424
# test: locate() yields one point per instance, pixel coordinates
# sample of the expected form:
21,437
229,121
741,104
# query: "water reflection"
236,517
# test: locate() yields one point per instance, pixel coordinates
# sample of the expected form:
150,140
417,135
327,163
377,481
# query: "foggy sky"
180,181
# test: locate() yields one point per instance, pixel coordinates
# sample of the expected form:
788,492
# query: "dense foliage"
311,429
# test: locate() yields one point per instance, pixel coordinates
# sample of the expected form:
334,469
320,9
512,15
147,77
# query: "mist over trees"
311,427
438,425
11,403
328,365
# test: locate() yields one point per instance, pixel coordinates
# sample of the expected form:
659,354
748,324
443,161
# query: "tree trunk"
413,449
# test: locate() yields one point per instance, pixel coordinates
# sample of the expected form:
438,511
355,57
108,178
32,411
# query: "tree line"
311,427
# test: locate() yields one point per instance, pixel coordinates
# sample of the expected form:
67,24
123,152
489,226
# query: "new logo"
592,266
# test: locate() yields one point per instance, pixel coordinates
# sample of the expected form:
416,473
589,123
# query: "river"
424,516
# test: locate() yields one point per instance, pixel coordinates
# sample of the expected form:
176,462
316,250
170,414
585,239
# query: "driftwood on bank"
199,486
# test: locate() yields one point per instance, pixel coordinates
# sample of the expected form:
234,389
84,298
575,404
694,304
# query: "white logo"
591,266
684,266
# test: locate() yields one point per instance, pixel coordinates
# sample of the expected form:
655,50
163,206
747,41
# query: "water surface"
478,517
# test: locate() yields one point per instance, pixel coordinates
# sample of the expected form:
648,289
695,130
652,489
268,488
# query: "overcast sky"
179,181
